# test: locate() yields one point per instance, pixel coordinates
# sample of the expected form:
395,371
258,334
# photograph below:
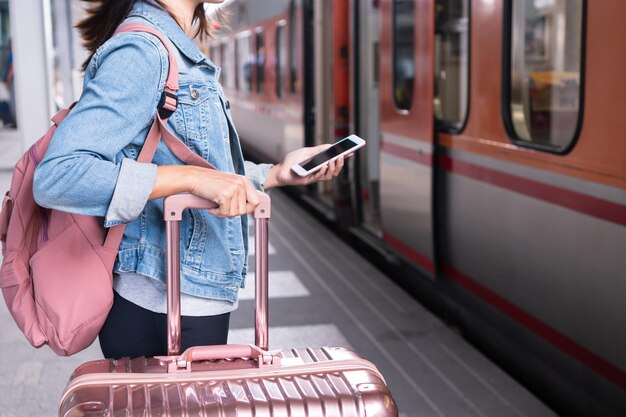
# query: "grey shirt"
150,293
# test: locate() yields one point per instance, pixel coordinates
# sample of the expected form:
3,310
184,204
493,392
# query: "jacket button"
195,94
227,105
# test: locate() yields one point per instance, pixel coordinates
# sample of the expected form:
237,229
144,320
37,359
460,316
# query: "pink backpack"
57,267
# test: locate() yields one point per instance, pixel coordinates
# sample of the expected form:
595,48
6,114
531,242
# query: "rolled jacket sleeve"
88,168
257,173
134,186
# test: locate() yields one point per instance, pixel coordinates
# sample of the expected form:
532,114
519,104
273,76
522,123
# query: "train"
494,175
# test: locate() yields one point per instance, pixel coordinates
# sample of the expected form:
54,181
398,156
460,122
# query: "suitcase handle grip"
173,207
220,352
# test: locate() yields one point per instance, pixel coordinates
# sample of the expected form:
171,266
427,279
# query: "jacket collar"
153,13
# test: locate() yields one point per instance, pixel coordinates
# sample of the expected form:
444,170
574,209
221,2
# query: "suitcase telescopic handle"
173,207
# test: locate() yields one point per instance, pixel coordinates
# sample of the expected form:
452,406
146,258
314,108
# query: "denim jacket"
90,166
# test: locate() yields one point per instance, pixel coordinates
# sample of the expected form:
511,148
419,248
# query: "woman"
90,168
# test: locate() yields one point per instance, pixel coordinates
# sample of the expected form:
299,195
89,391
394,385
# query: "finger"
215,212
252,197
233,209
225,203
338,166
330,171
241,199
311,152
320,148
319,175
218,211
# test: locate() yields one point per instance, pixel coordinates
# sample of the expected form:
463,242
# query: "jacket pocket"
192,120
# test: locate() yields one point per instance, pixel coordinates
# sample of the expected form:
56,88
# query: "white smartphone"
342,148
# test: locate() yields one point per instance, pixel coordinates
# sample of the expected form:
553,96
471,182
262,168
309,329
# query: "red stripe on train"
414,155
583,203
423,261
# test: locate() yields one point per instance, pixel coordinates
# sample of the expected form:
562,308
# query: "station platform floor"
322,293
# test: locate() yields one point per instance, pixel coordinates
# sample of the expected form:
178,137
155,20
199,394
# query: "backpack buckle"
167,104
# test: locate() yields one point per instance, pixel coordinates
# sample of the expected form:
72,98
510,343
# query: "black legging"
132,331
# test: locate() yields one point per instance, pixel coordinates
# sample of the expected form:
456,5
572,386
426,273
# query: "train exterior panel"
540,243
495,165
406,199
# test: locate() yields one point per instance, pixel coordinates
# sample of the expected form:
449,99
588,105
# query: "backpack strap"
169,100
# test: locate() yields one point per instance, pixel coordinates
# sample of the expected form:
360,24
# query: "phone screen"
336,149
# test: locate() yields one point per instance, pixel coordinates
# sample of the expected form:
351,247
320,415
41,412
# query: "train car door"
330,98
407,129
365,117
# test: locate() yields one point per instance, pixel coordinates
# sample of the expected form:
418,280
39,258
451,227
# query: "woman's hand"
234,193
282,173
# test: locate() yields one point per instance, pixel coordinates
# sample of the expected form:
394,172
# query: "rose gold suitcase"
229,380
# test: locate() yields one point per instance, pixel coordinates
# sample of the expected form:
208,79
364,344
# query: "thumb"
314,150
320,148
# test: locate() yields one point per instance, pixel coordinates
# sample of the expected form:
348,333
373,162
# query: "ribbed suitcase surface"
309,382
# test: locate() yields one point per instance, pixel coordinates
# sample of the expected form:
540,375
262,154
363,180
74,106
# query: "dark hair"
104,16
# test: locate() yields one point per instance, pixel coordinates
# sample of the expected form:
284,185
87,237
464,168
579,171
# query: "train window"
543,72
243,61
293,69
260,62
403,52
451,64
281,64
